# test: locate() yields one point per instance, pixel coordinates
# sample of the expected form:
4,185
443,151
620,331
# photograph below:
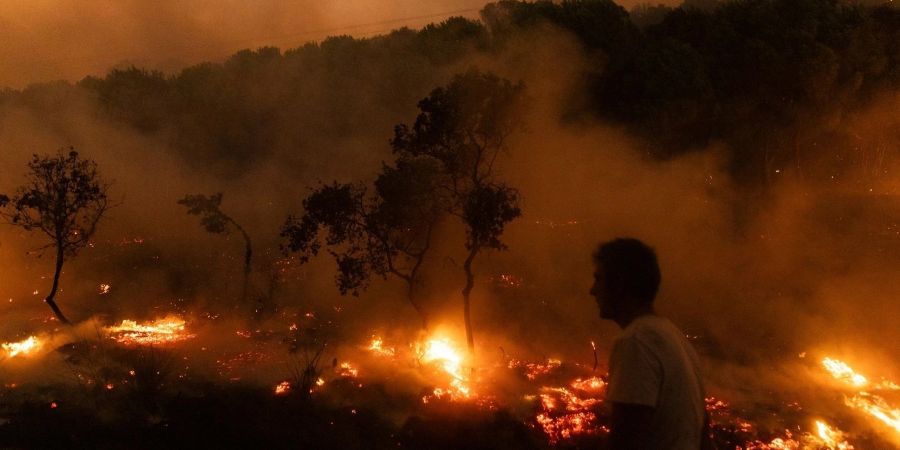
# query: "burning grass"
24,347
168,330
863,400
559,403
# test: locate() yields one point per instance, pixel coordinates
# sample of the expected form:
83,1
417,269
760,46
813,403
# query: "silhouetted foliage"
215,221
772,80
64,198
464,127
389,233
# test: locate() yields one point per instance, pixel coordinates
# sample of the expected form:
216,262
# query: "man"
654,381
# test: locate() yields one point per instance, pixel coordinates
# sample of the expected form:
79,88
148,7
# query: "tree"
464,127
215,221
64,198
388,233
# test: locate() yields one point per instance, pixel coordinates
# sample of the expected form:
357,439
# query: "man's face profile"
600,291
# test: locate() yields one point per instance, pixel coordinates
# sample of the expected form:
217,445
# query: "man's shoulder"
651,331
650,324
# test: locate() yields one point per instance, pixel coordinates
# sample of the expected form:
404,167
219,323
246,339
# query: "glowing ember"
589,384
283,388
25,347
163,331
535,370
826,438
566,426
565,415
104,289
507,280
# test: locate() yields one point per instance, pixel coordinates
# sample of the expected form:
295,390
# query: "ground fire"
25,347
163,331
864,399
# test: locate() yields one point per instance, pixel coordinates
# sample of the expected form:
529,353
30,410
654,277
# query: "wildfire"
825,437
283,388
24,347
589,384
377,347
841,371
876,407
441,352
347,370
871,404
168,330
565,415
832,437
535,370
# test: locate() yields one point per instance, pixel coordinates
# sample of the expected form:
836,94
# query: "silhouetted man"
654,381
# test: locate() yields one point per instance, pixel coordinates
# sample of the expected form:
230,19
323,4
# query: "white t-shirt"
652,364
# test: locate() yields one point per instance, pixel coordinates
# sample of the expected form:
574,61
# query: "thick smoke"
758,279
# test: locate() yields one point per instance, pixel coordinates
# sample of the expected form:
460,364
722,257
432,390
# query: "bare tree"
215,221
64,198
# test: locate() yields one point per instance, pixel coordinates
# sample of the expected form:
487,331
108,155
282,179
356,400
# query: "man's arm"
629,427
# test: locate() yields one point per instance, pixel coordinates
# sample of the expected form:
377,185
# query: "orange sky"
44,40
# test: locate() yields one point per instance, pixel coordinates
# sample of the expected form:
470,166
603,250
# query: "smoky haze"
47,40
807,269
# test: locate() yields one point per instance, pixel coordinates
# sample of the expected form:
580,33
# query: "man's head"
626,278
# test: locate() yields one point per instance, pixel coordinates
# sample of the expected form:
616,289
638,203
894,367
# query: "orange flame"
843,372
163,331
832,437
872,405
283,388
441,352
377,346
24,347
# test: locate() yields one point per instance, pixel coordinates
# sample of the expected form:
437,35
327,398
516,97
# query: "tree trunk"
248,256
50,298
470,283
411,297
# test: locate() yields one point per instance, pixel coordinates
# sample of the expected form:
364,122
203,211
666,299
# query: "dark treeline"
772,80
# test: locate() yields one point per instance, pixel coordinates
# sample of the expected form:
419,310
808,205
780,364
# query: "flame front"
22,347
864,401
163,331
841,371
876,407
832,437
440,351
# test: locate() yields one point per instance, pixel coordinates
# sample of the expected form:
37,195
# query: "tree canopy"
765,77
64,198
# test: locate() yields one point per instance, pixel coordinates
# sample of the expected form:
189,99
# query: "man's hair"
630,265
